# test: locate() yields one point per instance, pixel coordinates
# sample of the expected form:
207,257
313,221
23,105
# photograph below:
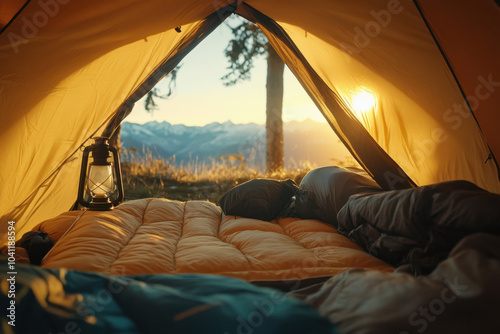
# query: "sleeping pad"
152,236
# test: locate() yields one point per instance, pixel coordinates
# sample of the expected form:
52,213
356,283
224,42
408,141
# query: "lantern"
100,185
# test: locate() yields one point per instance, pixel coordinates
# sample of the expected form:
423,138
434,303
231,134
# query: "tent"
72,69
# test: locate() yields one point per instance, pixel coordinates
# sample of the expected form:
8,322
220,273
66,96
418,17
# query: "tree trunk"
274,124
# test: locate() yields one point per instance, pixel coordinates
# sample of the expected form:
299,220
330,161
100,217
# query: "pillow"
262,199
324,191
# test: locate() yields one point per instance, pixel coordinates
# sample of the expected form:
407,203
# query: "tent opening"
205,127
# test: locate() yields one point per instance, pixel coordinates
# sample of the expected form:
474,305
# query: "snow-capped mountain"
304,141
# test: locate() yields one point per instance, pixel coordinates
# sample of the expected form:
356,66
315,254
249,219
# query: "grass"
145,176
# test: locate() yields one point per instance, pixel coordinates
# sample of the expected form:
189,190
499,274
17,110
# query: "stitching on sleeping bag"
233,245
246,258
219,224
132,237
174,254
316,256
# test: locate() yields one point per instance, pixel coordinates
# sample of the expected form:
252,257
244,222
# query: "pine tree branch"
247,44
150,104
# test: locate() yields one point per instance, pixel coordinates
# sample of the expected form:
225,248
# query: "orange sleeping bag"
151,236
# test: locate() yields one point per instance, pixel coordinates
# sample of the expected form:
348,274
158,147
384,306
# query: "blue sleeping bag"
64,301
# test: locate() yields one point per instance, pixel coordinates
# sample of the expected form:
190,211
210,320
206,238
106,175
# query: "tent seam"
15,16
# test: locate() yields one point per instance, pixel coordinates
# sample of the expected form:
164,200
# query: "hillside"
305,141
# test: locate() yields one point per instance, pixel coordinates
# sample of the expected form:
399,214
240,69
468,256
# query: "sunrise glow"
363,101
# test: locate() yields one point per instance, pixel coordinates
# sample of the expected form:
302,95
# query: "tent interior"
71,70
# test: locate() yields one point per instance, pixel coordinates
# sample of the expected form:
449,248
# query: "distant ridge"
306,140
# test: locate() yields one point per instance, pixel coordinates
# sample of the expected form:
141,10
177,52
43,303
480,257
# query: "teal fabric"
58,300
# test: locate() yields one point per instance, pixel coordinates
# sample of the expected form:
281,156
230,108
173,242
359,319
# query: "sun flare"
363,101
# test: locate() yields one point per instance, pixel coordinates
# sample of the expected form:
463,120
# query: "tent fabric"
194,237
385,49
76,81
68,66
473,56
9,10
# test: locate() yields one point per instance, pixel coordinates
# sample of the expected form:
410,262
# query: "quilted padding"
151,236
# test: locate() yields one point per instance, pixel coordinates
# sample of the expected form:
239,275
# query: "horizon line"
307,119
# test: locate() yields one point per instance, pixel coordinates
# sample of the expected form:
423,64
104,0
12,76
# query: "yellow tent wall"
66,66
385,48
468,32
63,74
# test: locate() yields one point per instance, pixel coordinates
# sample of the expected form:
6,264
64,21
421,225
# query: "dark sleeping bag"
324,191
417,228
37,244
262,199
460,296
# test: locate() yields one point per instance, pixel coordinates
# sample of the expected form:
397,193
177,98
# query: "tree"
249,42
149,103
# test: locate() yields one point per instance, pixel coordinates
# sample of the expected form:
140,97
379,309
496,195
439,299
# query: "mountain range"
304,141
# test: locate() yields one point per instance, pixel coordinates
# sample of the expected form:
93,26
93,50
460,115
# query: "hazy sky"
201,98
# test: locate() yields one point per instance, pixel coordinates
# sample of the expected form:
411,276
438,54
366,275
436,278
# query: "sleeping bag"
324,191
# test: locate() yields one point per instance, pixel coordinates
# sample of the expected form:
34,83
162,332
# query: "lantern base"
100,204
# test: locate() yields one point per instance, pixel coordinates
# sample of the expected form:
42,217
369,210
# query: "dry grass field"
145,176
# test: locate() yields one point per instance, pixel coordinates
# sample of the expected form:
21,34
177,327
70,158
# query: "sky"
200,97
